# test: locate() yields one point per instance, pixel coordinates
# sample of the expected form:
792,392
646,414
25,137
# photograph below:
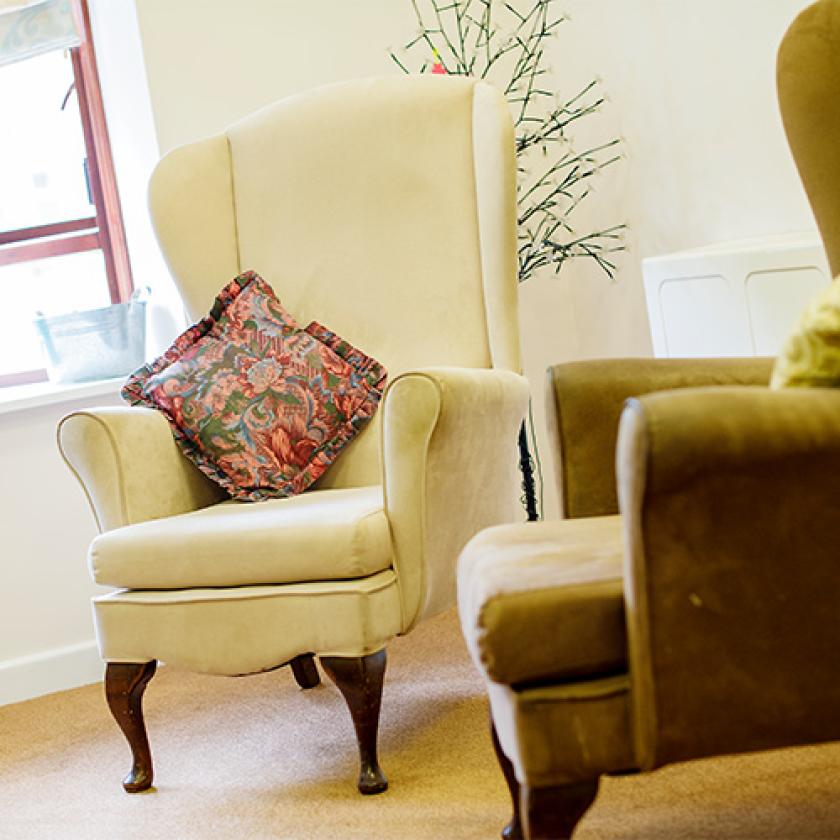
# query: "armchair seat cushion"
543,601
319,535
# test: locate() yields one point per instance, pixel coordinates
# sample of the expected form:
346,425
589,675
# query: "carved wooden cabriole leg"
305,671
513,830
125,683
552,813
359,679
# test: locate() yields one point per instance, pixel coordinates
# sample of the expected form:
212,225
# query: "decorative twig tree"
505,43
491,39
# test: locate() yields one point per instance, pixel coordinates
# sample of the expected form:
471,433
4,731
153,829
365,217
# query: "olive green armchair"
688,604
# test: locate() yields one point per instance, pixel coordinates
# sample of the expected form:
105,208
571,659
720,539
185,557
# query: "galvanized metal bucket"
95,343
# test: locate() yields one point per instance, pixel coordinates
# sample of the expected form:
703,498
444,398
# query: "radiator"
733,299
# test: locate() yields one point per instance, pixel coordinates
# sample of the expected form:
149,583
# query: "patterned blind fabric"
29,29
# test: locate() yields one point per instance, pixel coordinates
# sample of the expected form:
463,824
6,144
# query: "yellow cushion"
544,600
811,355
320,535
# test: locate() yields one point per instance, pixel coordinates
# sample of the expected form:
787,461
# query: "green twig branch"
506,42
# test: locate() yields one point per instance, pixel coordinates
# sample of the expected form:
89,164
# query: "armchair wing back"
384,209
702,620
808,85
388,218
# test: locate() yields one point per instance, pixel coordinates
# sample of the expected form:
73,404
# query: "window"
62,244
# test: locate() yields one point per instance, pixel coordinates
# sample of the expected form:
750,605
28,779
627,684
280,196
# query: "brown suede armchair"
688,605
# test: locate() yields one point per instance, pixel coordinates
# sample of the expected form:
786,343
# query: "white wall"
135,150
692,91
46,631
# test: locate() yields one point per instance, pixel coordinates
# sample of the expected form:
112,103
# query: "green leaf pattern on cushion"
259,404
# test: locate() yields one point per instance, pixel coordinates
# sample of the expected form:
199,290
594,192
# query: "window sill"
20,397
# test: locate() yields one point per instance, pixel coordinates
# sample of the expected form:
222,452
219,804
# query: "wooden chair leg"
360,679
513,830
305,671
551,813
125,683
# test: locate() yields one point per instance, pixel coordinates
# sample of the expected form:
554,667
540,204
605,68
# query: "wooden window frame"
103,231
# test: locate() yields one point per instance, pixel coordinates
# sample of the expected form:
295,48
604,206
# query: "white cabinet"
734,299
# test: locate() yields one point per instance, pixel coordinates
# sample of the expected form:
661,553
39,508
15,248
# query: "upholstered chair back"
355,202
808,82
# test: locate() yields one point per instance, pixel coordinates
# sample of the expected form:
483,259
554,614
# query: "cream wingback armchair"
703,619
385,209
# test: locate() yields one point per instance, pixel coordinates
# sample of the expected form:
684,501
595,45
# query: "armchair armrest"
585,400
130,466
450,464
730,499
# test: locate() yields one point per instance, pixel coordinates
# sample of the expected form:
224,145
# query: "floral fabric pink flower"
257,403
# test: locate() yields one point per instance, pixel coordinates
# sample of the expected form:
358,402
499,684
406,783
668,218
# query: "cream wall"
692,91
210,62
691,88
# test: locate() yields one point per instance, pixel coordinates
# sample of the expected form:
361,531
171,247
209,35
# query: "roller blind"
31,28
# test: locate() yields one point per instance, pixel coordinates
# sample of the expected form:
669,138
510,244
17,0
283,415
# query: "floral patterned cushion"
257,403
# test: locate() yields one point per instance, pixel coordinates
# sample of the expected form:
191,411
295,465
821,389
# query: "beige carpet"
258,758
